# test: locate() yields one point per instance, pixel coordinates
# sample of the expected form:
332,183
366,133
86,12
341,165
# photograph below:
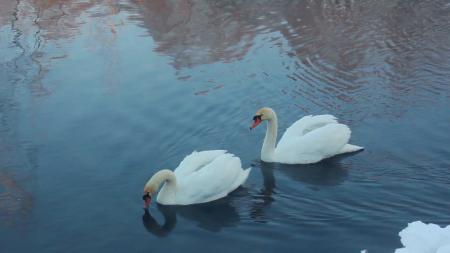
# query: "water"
96,96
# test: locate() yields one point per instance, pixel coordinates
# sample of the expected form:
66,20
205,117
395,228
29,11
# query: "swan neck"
268,148
160,177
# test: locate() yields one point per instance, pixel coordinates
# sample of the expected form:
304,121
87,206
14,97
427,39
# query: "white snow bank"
419,237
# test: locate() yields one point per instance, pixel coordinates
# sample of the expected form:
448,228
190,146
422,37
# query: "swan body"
309,140
201,177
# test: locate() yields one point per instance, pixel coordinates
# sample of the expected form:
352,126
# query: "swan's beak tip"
147,200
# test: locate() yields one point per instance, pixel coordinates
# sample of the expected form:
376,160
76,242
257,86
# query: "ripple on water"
15,202
382,67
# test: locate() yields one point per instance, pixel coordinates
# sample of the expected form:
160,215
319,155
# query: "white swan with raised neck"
309,140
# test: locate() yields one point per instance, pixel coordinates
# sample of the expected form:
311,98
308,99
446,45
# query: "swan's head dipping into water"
154,183
262,114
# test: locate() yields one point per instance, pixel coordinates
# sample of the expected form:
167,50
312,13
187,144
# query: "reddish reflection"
7,8
15,202
336,50
195,33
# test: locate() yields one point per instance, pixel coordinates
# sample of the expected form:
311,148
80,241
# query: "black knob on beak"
145,196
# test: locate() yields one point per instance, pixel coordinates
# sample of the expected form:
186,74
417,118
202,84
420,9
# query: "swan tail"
241,179
349,148
244,175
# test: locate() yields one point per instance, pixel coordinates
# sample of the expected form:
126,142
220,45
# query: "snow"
419,237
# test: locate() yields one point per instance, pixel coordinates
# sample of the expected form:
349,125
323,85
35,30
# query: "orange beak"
256,122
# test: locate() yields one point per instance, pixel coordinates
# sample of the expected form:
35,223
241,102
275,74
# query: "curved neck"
268,148
159,178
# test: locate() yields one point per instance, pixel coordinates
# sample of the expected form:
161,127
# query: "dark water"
95,96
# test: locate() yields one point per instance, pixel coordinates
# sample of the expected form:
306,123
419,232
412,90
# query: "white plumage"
201,177
309,140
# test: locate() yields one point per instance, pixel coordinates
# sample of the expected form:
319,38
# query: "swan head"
154,183
150,189
262,114
147,197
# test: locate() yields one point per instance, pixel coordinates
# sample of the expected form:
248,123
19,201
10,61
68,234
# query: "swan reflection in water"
263,198
152,225
212,216
329,172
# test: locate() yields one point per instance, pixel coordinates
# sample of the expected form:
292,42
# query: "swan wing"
214,180
306,125
313,146
195,161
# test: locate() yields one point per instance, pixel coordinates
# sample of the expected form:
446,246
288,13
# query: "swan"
309,140
201,177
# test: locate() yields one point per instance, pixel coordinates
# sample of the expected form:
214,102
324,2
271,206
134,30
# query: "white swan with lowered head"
309,140
201,177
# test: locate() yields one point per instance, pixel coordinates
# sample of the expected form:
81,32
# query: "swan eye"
257,117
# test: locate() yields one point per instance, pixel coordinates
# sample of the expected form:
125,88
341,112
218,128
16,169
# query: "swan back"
314,145
206,176
308,124
215,180
197,160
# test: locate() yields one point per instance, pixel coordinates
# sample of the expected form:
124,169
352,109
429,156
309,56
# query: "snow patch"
419,237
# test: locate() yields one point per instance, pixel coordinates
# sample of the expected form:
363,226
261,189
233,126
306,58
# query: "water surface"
95,96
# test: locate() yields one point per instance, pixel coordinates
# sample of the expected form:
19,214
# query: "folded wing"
311,139
210,180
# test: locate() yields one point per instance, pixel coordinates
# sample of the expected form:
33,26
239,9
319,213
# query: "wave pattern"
97,95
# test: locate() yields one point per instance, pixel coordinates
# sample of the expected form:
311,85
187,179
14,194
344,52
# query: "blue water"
96,96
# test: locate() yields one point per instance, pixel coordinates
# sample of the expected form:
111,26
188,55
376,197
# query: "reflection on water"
379,58
328,172
263,199
187,31
212,217
15,202
94,91
371,37
152,225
